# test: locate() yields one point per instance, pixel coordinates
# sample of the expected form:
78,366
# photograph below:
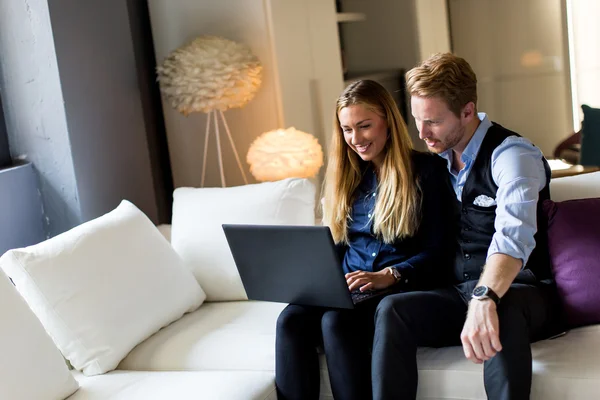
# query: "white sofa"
226,350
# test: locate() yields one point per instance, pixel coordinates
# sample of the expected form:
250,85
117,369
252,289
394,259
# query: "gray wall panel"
20,208
34,110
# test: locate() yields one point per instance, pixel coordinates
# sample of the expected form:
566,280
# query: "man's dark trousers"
435,318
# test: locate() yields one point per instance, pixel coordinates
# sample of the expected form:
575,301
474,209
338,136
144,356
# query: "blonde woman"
387,206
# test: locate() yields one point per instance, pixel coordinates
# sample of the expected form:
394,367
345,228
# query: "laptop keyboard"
359,297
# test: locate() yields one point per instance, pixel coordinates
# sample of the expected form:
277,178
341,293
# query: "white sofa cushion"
222,336
575,187
209,385
31,366
198,237
563,368
104,286
567,367
241,336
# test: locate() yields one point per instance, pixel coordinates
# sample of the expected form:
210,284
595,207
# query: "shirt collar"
474,144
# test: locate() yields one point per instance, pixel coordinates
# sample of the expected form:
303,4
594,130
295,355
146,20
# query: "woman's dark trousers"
346,337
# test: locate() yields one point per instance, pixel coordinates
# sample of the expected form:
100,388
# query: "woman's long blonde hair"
398,203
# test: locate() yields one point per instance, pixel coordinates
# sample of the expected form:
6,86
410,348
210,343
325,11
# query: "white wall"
432,27
300,82
308,63
518,52
34,110
586,54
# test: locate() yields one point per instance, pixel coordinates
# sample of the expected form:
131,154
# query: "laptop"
292,264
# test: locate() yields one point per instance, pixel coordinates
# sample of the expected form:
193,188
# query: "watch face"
480,291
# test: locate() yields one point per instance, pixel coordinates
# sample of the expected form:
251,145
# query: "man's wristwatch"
395,273
484,292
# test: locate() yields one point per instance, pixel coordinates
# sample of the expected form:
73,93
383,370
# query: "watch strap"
492,295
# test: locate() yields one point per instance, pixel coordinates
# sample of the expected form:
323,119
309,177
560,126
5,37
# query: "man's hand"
370,280
481,335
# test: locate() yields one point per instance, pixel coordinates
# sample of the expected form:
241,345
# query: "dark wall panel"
107,110
4,150
141,33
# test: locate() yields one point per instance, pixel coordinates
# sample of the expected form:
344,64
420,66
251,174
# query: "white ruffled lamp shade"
210,73
284,153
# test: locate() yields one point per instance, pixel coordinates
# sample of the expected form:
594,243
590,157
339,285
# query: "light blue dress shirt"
518,171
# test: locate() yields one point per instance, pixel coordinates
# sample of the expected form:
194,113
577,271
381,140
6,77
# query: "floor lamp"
213,115
211,74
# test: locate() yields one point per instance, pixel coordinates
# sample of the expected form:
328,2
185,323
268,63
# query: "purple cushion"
574,242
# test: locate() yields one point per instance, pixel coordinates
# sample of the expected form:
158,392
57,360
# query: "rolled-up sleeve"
518,171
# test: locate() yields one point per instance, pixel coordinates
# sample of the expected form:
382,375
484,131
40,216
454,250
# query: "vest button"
465,211
467,276
468,256
467,228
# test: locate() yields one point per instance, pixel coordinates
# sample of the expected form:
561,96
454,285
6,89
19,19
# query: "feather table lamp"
211,75
284,153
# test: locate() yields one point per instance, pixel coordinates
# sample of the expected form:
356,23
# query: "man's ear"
468,111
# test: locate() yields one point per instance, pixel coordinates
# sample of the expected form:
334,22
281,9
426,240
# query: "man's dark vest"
476,223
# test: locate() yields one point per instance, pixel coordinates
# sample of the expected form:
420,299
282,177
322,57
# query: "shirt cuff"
508,248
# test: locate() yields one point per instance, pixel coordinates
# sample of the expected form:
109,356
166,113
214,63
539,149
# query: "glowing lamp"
284,153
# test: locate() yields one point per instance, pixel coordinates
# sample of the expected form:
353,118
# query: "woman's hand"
364,280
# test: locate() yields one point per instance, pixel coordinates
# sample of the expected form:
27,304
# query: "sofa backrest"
567,188
575,187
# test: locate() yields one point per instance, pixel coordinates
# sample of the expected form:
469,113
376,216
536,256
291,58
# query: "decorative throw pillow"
197,234
574,243
104,287
31,365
